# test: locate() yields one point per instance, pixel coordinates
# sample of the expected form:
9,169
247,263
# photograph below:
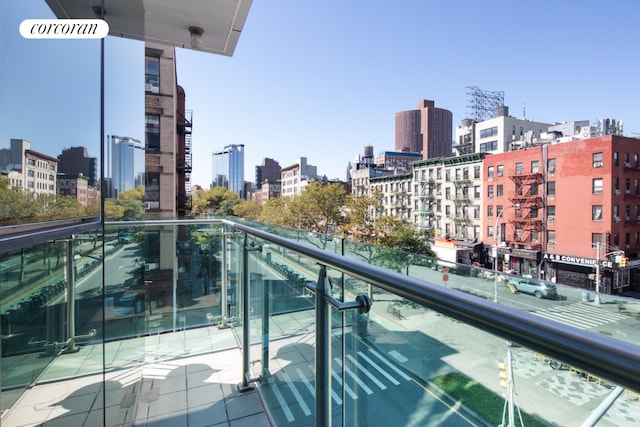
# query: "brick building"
554,203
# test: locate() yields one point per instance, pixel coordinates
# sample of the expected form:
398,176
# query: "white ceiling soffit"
166,21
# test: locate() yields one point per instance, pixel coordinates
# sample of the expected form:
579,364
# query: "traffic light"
623,261
504,374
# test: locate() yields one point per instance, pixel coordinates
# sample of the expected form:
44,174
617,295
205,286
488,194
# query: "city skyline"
323,80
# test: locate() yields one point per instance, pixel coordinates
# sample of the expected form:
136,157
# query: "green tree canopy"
276,211
207,202
318,206
248,209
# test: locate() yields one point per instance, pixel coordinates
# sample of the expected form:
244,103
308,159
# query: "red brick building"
558,201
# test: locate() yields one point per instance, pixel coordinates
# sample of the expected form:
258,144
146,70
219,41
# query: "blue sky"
322,79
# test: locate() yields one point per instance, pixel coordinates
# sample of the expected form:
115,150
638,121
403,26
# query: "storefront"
580,272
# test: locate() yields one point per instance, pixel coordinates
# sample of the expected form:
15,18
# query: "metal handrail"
605,356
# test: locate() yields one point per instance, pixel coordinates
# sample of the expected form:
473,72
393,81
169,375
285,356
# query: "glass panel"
50,148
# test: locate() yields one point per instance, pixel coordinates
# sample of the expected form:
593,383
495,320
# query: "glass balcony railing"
332,332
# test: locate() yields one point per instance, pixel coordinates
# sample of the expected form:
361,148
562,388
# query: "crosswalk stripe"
379,369
386,362
580,315
334,395
296,393
366,372
356,378
346,386
283,403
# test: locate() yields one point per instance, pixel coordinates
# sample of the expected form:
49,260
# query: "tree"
113,210
360,223
276,211
207,202
16,205
137,193
318,206
248,209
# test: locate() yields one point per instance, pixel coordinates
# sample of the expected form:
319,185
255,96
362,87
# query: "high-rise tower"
427,130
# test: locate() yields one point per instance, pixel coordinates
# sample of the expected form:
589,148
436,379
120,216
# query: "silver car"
539,288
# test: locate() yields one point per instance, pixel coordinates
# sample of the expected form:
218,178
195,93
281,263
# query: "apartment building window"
490,211
551,166
534,235
447,193
615,158
490,173
490,232
551,237
447,175
627,212
534,189
616,240
30,173
152,132
476,172
447,210
627,239
596,186
627,186
596,238
535,166
519,169
551,212
616,213
533,212
500,170
486,133
626,159
596,213
551,188
498,209
490,192
476,212
635,160
152,74
488,146
499,190
476,192
597,159
637,239
616,185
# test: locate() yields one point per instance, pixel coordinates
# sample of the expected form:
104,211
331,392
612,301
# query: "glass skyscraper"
127,163
228,168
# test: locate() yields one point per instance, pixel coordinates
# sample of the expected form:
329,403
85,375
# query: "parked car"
539,288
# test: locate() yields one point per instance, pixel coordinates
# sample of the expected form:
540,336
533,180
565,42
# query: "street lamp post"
495,248
596,299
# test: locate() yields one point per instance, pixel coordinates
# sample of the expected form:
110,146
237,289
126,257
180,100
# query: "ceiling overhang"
166,21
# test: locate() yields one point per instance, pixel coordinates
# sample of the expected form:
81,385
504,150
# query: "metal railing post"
265,327
246,311
323,353
71,300
245,314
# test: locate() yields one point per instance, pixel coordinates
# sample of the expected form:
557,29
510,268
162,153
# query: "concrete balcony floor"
186,378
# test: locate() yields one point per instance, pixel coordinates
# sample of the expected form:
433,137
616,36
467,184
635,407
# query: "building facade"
127,168
566,200
228,168
269,170
76,186
28,169
448,196
76,161
499,134
427,130
294,178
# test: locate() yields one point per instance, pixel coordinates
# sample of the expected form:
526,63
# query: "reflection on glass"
50,115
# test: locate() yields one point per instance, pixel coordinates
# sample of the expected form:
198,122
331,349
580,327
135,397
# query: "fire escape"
426,197
184,161
527,220
462,203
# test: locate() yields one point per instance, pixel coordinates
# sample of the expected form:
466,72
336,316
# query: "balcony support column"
246,314
323,352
